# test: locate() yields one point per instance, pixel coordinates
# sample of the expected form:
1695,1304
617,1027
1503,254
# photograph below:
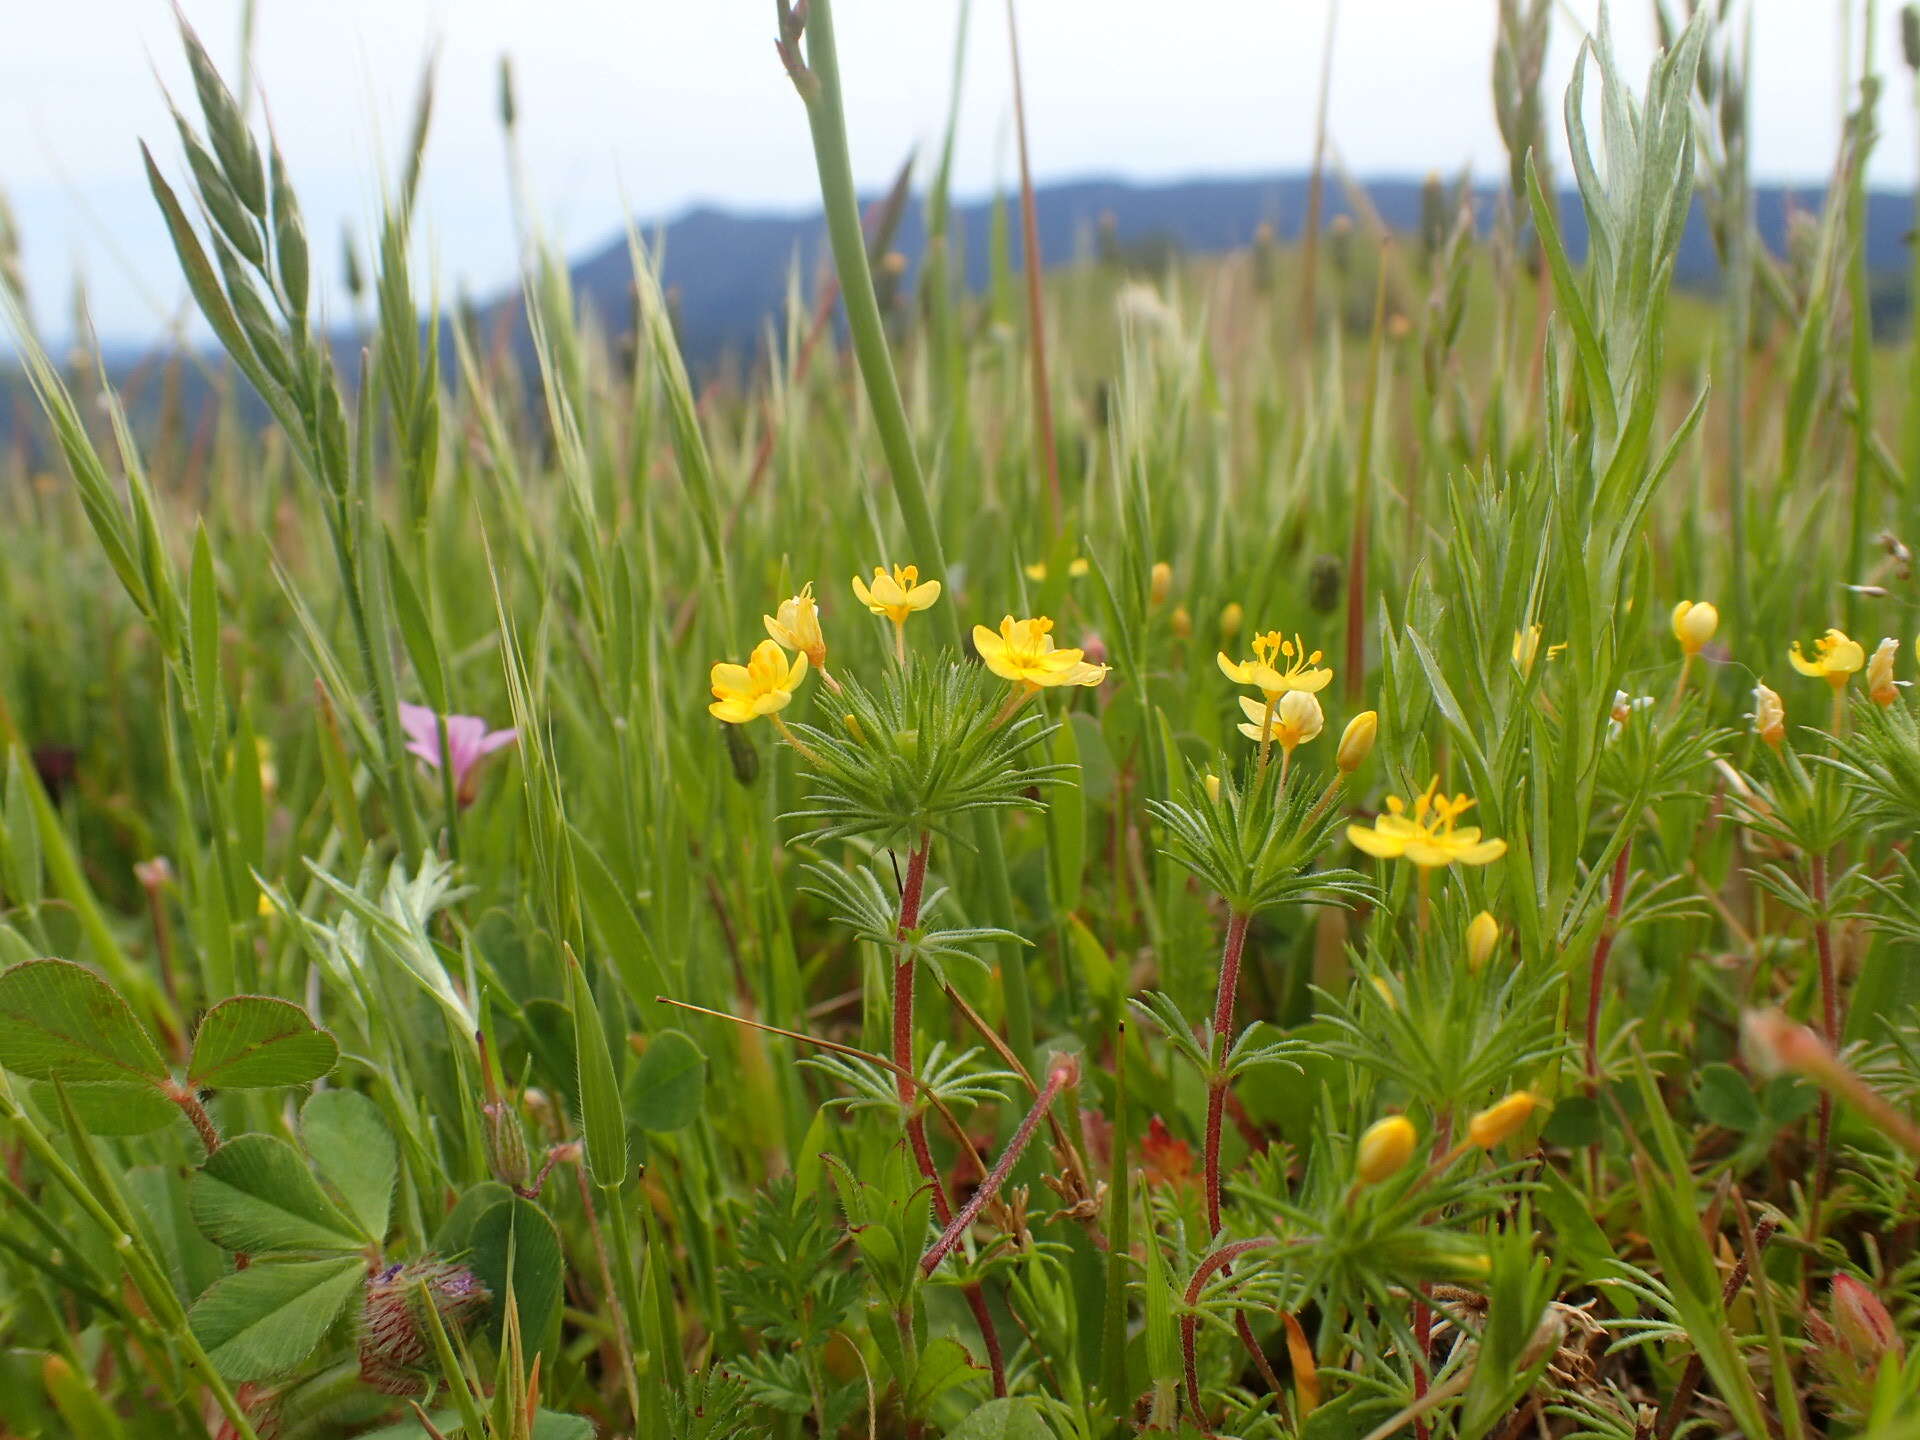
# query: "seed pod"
506,1141
740,751
1323,584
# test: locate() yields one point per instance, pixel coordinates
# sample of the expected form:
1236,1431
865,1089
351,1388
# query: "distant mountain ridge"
729,269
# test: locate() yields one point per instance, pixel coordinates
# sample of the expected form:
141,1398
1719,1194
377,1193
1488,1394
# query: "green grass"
938,1058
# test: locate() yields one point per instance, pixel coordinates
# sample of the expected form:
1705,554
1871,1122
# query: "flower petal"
1373,842
1485,853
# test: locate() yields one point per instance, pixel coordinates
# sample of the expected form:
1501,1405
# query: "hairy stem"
1596,985
959,1225
1222,1037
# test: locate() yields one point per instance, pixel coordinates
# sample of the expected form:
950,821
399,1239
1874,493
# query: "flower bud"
852,724
1694,622
1882,688
1501,1119
1161,583
1232,617
1181,622
1213,787
1862,1322
1386,1146
1483,933
1769,716
1356,741
395,1341
1385,991
506,1143
1776,1044
1093,647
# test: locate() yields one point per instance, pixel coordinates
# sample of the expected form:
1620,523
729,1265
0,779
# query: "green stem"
826,116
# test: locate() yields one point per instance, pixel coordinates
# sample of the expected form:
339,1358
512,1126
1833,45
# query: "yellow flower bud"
1501,1119
1356,741
1182,622
1483,933
1694,622
1232,617
1213,787
1769,716
1882,688
1386,992
1384,1149
1161,583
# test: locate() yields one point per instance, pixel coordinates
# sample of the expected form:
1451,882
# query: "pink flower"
468,740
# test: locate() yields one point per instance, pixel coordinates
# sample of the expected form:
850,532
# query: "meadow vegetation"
1308,844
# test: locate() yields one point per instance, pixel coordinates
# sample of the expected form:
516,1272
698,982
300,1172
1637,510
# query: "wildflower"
1180,622
269,771
897,596
1483,933
796,626
1501,1119
1862,1322
1385,992
1076,568
1212,783
762,686
1428,835
1160,583
1356,741
469,741
1769,716
395,1340
1835,657
1384,1149
1294,721
1023,652
1271,651
1526,646
1882,688
1694,622
1232,616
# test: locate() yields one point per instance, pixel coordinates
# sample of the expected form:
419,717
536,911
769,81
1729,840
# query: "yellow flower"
1160,583
1882,688
1501,1119
1294,721
1427,836
1023,652
1526,646
1076,567
1356,741
762,686
1694,622
1769,715
898,595
1835,657
1232,617
1271,652
1213,787
1483,933
796,626
1384,1149
1181,622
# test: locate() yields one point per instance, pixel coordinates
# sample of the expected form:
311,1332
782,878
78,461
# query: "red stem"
1223,1037
1616,894
1190,1323
1830,1030
912,889
1003,1167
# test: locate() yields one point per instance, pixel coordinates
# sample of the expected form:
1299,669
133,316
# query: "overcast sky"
656,104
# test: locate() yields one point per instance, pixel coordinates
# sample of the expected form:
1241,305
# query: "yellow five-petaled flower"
1023,651
1428,836
896,595
1278,666
762,686
1296,719
1835,657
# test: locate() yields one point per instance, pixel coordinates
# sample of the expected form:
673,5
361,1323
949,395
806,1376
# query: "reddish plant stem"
1230,953
912,889
1830,1032
1616,896
1190,1323
190,1105
1003,1167
1423,1350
